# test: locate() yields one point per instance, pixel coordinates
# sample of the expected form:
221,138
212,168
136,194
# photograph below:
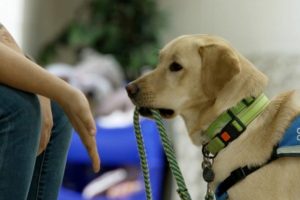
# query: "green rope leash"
170,154
142,154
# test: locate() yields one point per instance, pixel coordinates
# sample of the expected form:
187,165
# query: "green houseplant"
127,29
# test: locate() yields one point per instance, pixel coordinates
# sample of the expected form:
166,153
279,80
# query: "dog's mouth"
164,112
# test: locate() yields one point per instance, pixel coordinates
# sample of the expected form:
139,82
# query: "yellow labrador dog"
200,77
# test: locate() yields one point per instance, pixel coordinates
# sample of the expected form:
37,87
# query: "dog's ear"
219,65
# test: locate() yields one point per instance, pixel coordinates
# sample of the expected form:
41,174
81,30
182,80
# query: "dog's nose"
132,90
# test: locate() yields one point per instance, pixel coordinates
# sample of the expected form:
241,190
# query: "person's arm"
19,72
8,40
45,103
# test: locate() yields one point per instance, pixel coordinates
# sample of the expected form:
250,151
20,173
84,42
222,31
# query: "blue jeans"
23,175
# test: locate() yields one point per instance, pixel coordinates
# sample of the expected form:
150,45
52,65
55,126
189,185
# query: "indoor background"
265,31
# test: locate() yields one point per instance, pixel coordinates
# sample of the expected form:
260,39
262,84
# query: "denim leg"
20,122
50,165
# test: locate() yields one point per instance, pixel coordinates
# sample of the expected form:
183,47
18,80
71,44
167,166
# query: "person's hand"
78,111
47,122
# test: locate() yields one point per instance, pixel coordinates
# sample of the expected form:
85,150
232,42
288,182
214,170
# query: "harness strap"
235,176
239,174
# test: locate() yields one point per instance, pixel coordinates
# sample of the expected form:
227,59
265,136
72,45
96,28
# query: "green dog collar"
230,124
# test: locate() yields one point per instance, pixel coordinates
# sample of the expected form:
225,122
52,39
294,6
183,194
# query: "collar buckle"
229,133
232,130
234,122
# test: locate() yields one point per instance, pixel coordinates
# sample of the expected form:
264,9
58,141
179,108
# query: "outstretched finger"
94,155
91,147
89,142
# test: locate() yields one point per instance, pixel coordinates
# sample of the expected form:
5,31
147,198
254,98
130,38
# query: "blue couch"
117,148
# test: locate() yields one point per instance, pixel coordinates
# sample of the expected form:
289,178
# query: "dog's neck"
233,122
198,122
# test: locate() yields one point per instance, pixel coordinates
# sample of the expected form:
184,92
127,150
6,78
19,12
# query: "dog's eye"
174,67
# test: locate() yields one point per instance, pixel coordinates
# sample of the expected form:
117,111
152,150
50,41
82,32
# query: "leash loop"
170,155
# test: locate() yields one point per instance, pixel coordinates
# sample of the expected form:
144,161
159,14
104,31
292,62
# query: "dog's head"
198,77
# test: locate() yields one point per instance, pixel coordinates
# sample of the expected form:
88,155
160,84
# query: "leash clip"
206,153
208,173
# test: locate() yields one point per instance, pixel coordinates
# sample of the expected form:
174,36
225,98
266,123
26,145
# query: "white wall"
33,23
43,20
11,16
254,27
